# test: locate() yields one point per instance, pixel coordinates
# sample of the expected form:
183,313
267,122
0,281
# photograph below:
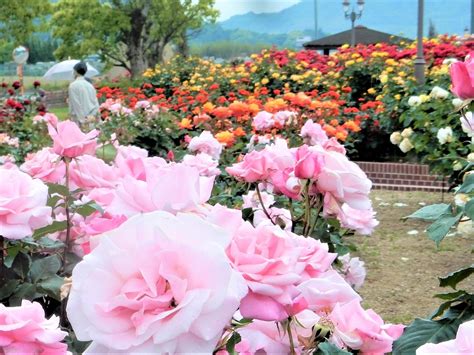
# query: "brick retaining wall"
56,98
402,177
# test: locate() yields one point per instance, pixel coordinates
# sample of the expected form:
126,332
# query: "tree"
19,19
432,33
127,33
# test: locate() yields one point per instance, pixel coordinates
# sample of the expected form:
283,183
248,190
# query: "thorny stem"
68,217
290,336
318,211
263,206
307,209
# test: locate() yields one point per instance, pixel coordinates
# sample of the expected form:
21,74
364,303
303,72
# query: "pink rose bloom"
313,133
256,166
362,330
280,217
462,78
133,161
284,182
353,270
324,292
22,204
462,345
281,117
173,188
142,288
206,143
309,163
88,172
226,218
251,199
345,181
203,163
333,145
70,142
48,117
467,123
45,165
142,104
25,330
362,221
273,262
263,121
260,337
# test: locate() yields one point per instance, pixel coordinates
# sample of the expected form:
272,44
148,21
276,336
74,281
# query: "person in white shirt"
83,103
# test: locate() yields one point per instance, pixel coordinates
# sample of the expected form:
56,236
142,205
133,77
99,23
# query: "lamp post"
420,58
352,15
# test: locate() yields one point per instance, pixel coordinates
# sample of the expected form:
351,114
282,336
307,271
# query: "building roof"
363,35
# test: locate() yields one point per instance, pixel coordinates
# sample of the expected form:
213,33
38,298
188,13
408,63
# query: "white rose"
407,132
439,93
445,135
457,103
414,101
405,145
449,61
461,199
396,138
470,157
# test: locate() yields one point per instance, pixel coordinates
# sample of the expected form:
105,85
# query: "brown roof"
363,35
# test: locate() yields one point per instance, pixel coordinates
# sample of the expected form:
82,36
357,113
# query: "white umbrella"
64,70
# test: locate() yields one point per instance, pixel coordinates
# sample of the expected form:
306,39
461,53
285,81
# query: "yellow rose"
265,81
349,63
371,91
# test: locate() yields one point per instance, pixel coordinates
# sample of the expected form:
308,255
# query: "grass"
61,112
402,268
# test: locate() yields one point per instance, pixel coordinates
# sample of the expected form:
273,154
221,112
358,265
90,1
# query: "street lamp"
420,58
353,15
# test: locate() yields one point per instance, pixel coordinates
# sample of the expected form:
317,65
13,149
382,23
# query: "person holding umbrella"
83,103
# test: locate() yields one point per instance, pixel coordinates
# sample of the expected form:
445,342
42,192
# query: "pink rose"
309,163
206,143
263,121
462,78
70,142
251,199
279,216
282,117
273,262
313,133
324,292
22,204
203,163
87,172
353,270
362,221
25,330
333,145
362,330
345,181
462,344
173,188
48,117
45,165
142,288
256,166
284,182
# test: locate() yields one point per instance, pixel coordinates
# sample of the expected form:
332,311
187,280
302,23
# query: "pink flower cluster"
264,121
322,169
24,330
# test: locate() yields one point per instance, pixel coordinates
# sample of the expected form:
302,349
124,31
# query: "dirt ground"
402,264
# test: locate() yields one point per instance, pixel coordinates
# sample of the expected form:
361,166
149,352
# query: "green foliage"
328,348
431,212
226,50
455,277
132,34
20,19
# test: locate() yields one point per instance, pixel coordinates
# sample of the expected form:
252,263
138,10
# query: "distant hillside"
392,16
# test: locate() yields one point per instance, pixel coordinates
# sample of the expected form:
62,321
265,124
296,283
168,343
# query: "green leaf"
58,189
232,342
469,209
455,277
7,288
450,295
432,212
21,265
51,286
423,331
328,348
107,153
89,208
53,201
25,291
438,230
48,243
56,226
12,252
468,185
247,213
44,268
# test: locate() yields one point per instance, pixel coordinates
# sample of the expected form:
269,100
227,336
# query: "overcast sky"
229,8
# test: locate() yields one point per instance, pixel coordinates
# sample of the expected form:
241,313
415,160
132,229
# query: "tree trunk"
136,51
183,46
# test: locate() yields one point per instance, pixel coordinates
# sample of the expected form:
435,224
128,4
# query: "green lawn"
61,112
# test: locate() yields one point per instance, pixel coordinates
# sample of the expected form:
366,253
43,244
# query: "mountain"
392,16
